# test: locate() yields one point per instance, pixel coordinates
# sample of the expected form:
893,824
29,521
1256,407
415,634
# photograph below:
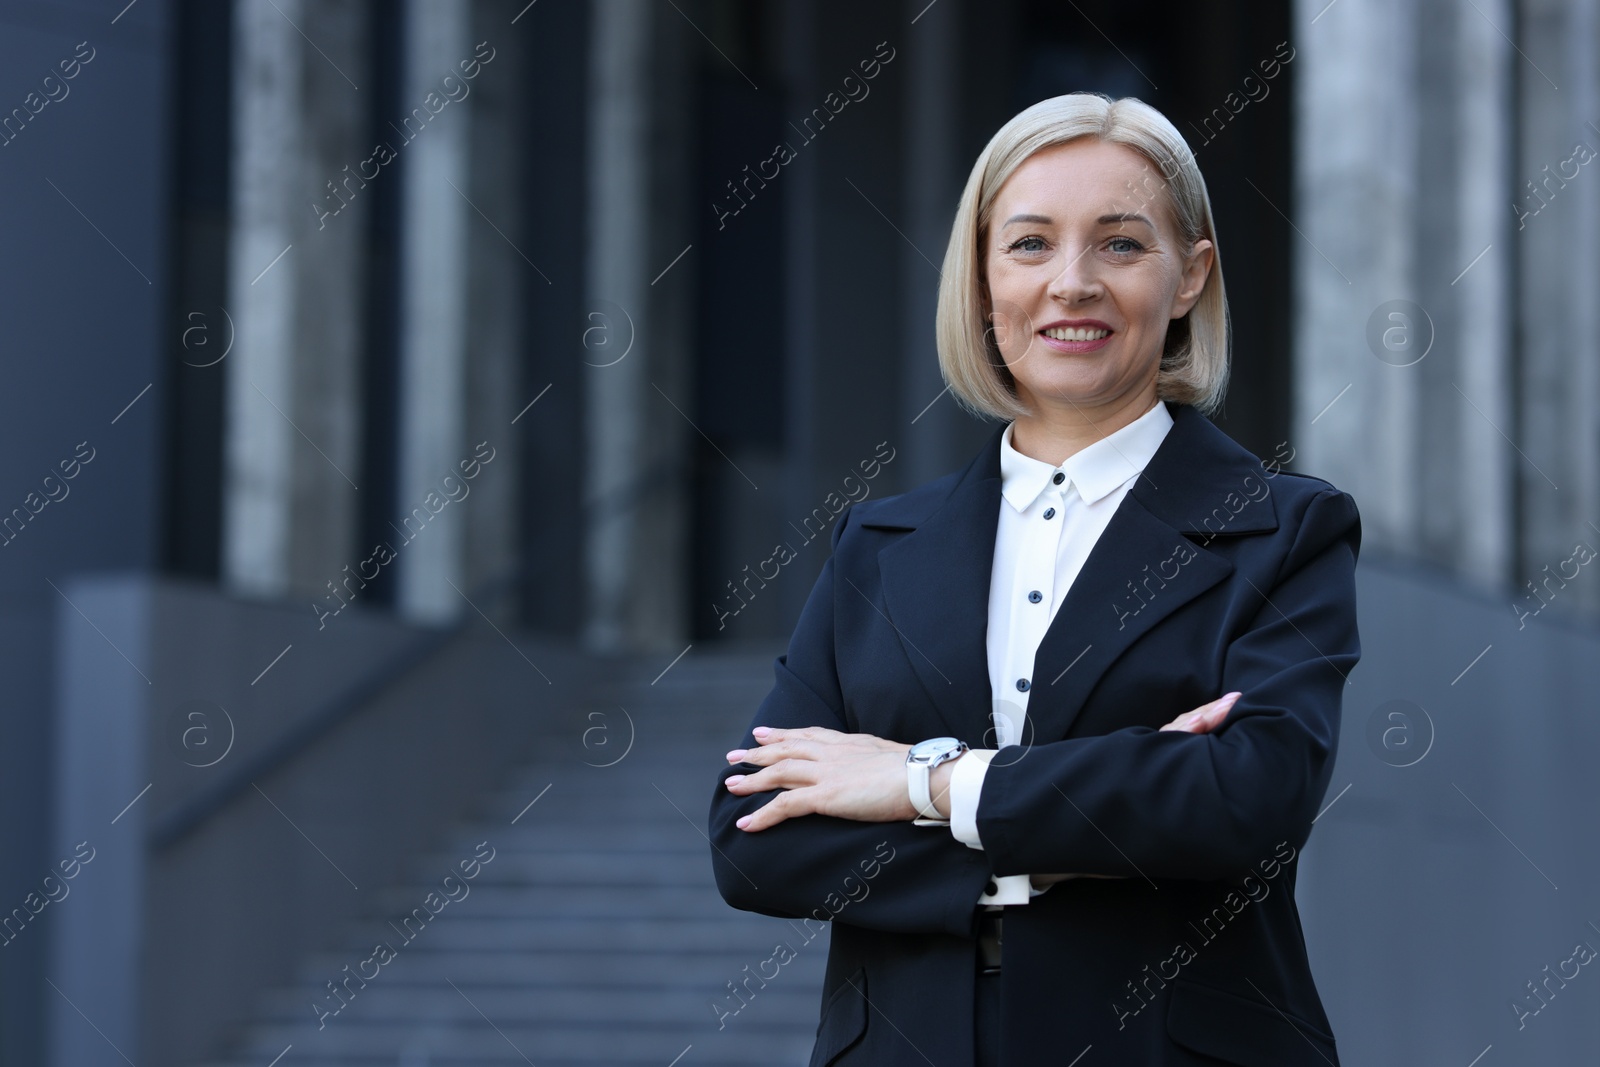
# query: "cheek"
1012,329
1148,300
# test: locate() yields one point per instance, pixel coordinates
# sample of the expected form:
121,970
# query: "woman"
973,760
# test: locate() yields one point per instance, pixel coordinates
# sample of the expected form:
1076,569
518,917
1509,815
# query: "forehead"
1085,177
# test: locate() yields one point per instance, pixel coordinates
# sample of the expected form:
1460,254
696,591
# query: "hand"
822,771
1205,718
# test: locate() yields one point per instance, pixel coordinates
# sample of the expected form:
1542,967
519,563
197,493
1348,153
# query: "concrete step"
595,935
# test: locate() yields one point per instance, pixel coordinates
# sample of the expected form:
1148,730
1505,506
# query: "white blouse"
1050,519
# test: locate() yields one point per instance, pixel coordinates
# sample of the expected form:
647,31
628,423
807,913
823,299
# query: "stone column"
932,182
1556,226
1483,461
501,263
804,306
296,280
432,141
1405,143
639,406
1355,191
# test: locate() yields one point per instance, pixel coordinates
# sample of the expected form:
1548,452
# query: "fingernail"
761,731
734,779
738,754
1231,697
742,823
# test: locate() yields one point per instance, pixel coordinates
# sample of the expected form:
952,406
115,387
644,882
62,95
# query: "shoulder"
906,509
900,511
1314,512
1297,490
1294,493
1207,485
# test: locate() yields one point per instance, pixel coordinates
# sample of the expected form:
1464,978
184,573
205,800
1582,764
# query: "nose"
1078,281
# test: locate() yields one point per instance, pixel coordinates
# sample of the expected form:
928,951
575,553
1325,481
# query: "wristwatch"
920,761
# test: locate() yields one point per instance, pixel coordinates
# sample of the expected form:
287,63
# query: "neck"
1055,432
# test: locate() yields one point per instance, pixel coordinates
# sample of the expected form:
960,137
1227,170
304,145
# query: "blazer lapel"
1150,561
936,591
1140,571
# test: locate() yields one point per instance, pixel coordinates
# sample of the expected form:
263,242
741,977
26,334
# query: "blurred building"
358,324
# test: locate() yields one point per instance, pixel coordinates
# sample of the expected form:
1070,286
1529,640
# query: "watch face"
932,749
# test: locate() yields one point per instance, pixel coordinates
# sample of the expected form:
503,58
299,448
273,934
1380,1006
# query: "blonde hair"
1194,361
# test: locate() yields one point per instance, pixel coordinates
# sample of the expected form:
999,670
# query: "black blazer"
1216,573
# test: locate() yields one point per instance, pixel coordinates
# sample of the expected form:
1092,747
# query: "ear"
1196,269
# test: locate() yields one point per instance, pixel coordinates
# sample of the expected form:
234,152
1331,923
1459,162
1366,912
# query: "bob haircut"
1194,360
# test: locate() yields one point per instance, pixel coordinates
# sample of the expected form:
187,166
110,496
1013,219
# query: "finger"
1214,715
768,755
781,807
1182,722
1205,716
766,735
1219,710
785,774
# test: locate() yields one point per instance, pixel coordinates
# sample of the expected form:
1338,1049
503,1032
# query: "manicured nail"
737,755
742,823
761,731
1231,697
733,780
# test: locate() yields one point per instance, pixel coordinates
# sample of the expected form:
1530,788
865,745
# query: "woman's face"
1085,268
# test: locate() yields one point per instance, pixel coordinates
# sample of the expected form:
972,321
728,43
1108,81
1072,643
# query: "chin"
1079,393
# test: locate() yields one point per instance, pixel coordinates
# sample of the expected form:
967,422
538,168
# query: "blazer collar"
1186,481
1199,483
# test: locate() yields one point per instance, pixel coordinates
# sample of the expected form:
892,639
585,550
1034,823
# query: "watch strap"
917,778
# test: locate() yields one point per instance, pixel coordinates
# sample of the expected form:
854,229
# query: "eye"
1027,244
1124,245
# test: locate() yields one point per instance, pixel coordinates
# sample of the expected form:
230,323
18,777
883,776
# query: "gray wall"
84,271
1460,862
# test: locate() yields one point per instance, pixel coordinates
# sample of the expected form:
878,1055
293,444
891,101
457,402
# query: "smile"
1081,333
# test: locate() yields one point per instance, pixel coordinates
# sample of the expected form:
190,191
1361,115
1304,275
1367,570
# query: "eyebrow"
1128,216
1103,220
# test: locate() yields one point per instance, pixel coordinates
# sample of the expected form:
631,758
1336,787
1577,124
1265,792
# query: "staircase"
592,934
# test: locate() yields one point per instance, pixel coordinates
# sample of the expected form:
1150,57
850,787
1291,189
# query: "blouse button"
1035,596
993,887
1022,685
1049,513
1059,478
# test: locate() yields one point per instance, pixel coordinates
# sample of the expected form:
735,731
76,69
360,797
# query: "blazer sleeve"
891,876
1139,802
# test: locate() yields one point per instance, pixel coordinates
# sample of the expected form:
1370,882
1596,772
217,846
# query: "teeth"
1080,333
